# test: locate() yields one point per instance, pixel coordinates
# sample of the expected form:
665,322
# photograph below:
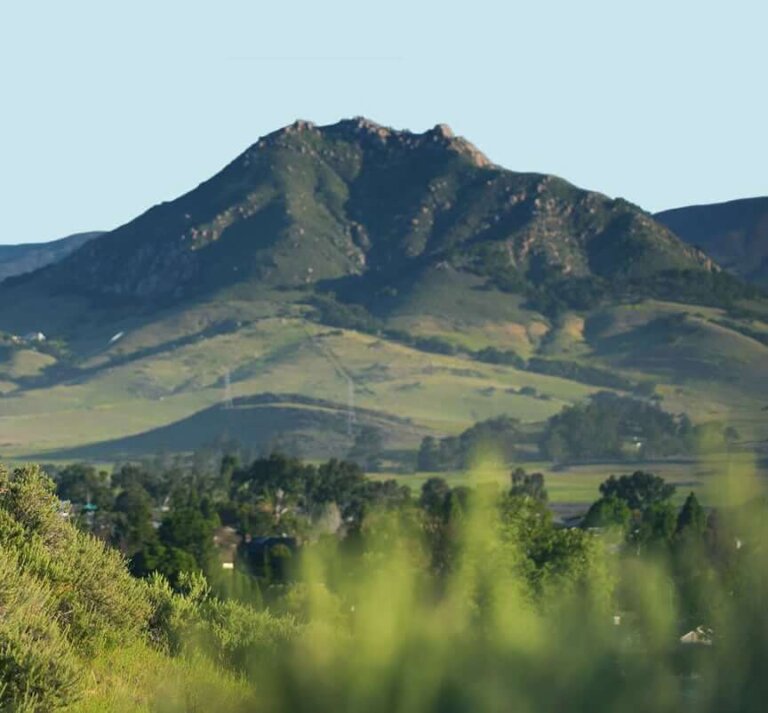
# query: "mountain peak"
312,203
361,128
444,131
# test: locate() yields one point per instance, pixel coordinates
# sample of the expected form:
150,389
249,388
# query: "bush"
492,355
66,597
97,601
39,667
580,372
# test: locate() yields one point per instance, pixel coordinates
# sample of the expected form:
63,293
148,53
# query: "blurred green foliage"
465,599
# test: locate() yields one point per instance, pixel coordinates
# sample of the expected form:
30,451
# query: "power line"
326,352
227,401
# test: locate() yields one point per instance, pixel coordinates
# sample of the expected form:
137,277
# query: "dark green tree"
528,484
133,520
367,448
81,483
189,527
608,512
639,491
430,458
692,520
435,498
655,526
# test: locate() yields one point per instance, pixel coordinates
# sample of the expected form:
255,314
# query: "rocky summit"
354,276
309,204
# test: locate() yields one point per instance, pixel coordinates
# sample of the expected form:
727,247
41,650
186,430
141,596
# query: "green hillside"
355,200
358,274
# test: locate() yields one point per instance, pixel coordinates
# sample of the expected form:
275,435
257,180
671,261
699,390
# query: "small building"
701,636
268,555
34,337
227,541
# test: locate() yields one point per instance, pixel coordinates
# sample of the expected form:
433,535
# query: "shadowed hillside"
734,233
380,207
261,423
20,259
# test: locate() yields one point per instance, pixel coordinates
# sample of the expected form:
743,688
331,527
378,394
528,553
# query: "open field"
709,477
275,355
133,376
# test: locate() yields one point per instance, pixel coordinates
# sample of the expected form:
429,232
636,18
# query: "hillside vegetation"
358,276
358,620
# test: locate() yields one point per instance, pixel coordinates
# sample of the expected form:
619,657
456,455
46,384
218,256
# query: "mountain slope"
438,272
20,259
735,234
356,200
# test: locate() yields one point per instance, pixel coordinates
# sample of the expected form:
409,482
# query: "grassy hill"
354,268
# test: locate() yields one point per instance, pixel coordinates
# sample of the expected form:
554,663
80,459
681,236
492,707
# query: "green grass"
579,484
141,679
25,363
169,367
274,355
460,308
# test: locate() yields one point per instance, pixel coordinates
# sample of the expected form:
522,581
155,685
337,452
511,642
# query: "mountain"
354,269
735,234
307,205
19,259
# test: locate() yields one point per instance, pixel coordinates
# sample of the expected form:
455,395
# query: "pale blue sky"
108,108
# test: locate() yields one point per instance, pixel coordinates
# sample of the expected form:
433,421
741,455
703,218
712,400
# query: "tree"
367,448
608,426
430,457
81,484
267,490
335,481
171,562
189,527
608,512
528,485
229,464
270,474
434,500
131,475
639,490
497,435
692,520
656,525
133,520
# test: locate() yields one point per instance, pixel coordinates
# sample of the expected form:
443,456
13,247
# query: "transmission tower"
227,400
351,416
338,367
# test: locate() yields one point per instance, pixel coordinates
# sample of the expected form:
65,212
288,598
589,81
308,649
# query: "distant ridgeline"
21,259
733,233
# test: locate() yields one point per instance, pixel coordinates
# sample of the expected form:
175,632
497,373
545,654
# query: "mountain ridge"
306,204
378,269
19,259
734,232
